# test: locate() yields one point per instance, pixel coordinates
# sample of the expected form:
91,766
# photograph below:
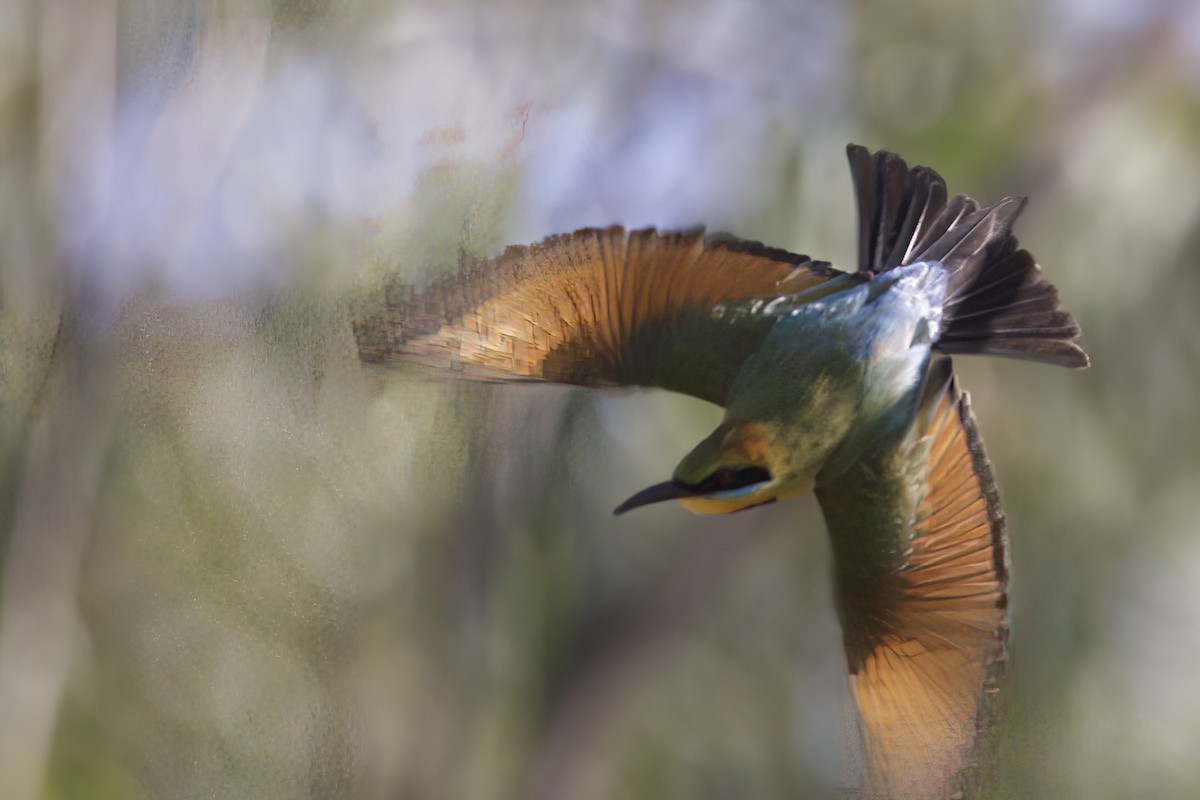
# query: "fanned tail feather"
997,300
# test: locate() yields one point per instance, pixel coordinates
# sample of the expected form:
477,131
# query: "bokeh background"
237,565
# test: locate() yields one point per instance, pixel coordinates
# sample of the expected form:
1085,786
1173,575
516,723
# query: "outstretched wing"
921,575
595,308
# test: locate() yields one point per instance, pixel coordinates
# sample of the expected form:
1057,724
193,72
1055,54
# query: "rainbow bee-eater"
839,383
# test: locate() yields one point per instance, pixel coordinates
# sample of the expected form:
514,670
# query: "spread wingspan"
593,308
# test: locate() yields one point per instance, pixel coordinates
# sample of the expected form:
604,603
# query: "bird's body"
848,367
832,382
831,376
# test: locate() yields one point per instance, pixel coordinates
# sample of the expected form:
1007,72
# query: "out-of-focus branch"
38,619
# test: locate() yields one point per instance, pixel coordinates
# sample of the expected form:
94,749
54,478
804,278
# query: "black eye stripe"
726,479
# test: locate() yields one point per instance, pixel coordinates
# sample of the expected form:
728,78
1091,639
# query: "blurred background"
237,565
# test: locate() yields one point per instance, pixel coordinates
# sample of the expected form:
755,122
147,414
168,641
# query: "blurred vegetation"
236,564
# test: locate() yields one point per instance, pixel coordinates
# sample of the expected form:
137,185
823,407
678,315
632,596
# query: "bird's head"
775,441
738,466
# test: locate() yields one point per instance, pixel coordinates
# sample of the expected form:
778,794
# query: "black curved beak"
655,494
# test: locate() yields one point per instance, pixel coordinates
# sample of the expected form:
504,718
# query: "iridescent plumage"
834,382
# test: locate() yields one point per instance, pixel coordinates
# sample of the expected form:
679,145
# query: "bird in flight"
834,382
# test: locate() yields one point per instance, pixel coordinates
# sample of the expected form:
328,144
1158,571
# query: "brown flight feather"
596,307
923,609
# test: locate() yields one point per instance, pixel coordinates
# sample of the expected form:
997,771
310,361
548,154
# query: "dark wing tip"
749,247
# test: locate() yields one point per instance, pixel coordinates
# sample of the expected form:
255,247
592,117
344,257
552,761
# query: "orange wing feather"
925,624
595,307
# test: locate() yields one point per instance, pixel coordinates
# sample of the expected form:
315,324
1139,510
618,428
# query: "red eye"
725,479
